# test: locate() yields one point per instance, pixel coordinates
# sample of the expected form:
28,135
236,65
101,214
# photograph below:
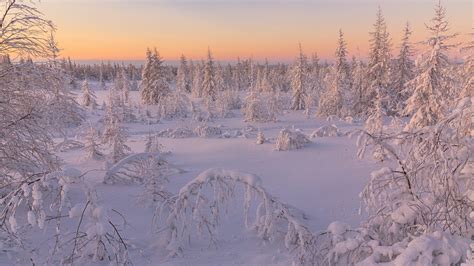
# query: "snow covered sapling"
291,140
92,146
299,81
260,137
88,97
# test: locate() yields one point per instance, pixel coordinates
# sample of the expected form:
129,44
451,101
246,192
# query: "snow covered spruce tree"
115,134
209,91
403,72
432,91
92,146
379,67
183,79
299,81
154,86
335,101
88,97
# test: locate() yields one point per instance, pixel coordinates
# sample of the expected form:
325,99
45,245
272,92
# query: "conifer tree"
299,81
183,82
154,87
209,81
432,93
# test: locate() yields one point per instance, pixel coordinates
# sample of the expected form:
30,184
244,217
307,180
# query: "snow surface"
322,179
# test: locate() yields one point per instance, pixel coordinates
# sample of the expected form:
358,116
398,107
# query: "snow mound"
326,131
206,131
177,133
291,140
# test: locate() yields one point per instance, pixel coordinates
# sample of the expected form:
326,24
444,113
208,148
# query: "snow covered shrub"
206,131
92,146
226,101
152,144
291,140
260,138
88,97
68,145
177,133
25,207
262,106
97,238
419,203
131,169
326,131
274,220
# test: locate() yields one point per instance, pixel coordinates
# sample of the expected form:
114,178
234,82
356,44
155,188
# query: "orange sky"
121,29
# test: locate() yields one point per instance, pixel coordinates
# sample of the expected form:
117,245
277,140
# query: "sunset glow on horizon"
122,30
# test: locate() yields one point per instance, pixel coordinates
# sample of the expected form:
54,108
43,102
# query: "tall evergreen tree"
432,90
183,82
154,87
299,81
379,64
209,82
403,71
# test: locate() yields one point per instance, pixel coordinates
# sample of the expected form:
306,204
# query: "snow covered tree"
431,95
260,137
92,146
335,100
359,88
403,72
197,80
154,87
379,66
209,81
183,82
124,85
24,30
88,97
299,81
116,135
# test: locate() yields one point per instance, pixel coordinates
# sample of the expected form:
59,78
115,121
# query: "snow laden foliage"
273,221
326,131
96,239
154,86
432,85
335,101
88,97
299,81
139,167
379,67
183,79
262,106
291,140
33,98
260,138
209,91
419,203
24,30
92,145
403,72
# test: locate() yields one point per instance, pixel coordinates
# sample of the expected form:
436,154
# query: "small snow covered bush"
206,131
177,133
326,131
291,140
